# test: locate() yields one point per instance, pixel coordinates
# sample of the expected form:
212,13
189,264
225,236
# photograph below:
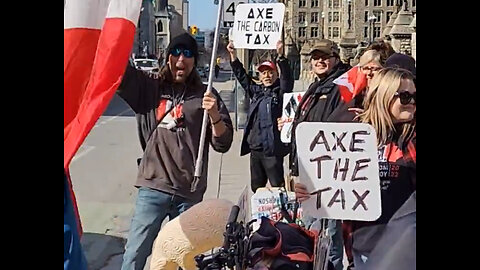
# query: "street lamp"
371,20
323,24
349,14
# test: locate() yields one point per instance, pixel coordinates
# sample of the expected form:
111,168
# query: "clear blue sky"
203,14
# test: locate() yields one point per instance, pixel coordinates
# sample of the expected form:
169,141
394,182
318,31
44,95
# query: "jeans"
334,230
151,208
73,256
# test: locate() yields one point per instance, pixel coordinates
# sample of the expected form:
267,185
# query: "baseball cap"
326,46
267,64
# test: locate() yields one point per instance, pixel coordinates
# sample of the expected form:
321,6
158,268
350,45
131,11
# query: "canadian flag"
98,38
351,83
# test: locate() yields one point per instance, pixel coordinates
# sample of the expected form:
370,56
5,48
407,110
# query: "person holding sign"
320,100
169,111
261,137
389,107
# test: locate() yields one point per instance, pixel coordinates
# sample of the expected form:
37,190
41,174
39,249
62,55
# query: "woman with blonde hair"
370,63
389,106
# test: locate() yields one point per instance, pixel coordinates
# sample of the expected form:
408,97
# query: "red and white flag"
351,83
98,38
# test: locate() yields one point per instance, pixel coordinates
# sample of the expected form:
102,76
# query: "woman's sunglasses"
186,52
406,97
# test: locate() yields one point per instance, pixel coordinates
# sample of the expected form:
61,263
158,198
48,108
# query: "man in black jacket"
320,100
261,137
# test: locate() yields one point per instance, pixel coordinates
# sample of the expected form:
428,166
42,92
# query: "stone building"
349,23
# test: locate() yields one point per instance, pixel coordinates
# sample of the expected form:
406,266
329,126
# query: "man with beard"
169,111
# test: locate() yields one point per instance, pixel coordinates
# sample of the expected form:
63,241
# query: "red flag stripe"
79,50
351,83
114,46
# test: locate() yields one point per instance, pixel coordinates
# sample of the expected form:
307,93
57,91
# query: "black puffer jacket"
320,100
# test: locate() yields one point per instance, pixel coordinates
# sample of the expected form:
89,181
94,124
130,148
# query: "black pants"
264,168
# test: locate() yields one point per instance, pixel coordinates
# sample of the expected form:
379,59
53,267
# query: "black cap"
400,60
184,41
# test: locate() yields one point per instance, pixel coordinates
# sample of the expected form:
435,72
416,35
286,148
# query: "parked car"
147,65
202,72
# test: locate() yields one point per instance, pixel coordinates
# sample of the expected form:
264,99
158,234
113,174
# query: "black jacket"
265,107
341,114
318,103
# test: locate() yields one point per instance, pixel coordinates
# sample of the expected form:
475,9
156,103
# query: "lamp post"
371,20
323,24
349,14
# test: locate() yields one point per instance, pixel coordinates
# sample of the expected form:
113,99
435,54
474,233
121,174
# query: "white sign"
267,202
229,7
290,104
338,163
258,26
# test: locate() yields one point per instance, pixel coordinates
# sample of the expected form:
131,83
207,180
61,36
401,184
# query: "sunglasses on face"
406,97
321,57
372,69
186,52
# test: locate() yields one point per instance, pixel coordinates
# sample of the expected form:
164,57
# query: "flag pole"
199,161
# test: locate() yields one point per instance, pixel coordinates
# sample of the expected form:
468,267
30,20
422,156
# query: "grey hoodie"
169,121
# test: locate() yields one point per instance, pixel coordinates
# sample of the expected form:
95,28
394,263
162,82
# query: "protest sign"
267,202
290,104
338,163
258,26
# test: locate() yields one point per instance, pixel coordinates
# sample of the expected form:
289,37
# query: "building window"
314,32
378,14
330,32
159,27
302,3
301,31
330,3
336,3
314,17
314,3
336,32
365,32
376,32
377,3
301,17
366,3
329,16
336,17
390,3
389,14
366,16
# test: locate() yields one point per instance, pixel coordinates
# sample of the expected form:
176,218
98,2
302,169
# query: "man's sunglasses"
321,57
186,52
406,97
